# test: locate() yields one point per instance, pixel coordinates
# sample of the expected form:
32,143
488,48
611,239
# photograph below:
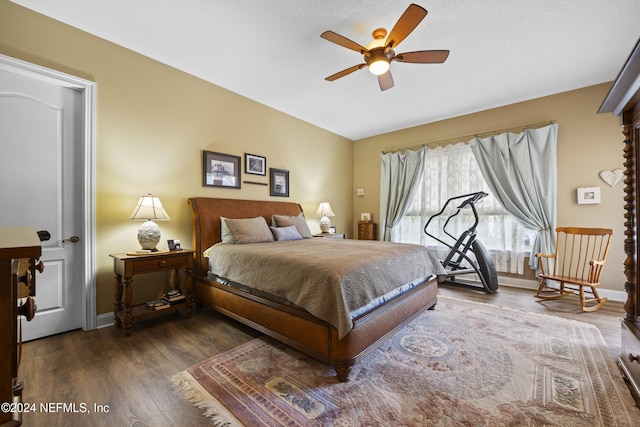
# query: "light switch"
360,192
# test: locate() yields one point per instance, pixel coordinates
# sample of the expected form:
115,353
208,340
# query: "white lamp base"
149,235
325,224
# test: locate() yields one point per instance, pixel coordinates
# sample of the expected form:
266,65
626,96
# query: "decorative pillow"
298,221
207,252
226,236
250,230
286,233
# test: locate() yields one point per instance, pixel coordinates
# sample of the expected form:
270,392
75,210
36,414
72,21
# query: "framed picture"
255,165
220,170
588,195
365,216
279,180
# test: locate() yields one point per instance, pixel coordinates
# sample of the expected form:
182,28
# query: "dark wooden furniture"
15,244
623,100
125,266
295,327
366,230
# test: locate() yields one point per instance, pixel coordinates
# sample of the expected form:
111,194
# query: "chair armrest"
539,255
545,263
595,269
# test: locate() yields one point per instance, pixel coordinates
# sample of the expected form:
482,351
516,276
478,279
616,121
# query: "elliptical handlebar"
457,262
470,200
473,199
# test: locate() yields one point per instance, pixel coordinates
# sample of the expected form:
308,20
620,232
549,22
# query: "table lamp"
324,210
149,208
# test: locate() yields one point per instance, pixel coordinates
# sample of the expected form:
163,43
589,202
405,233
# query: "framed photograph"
220,170
365,216
588,195
279,180
255,165
332,229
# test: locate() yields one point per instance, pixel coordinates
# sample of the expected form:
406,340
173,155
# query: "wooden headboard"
205,220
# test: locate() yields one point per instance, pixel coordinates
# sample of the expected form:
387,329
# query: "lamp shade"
148,209
324,210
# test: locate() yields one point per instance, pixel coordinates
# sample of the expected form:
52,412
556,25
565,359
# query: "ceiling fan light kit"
379,53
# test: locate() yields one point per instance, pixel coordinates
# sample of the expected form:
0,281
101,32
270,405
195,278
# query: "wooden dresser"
366,230
15,244
623,100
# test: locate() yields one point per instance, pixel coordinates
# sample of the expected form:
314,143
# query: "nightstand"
332,235
125,266
366,230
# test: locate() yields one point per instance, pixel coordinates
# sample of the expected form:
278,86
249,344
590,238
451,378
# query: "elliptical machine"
453,263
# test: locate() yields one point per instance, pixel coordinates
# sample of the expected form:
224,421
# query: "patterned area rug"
463,363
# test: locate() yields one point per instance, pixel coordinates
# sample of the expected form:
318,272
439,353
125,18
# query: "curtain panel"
452,171
400,174
521,171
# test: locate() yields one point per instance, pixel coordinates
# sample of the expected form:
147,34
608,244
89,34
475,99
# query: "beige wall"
153,123
587,144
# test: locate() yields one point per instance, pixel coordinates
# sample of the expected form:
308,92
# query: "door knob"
72,239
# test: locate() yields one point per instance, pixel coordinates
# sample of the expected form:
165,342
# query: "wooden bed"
292,326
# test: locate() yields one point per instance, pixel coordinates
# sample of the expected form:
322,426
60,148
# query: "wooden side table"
125,266
366,230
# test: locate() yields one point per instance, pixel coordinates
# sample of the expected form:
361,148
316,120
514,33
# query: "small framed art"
279,182
255,165
220,170
588,195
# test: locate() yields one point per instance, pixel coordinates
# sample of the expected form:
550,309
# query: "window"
452,171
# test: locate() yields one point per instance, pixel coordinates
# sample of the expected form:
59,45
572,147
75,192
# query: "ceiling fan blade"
343,41
406,24
385,81
423,57
343,73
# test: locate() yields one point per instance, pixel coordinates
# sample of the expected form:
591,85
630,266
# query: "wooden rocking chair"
577,264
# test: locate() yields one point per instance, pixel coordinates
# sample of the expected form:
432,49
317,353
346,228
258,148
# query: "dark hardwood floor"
128,378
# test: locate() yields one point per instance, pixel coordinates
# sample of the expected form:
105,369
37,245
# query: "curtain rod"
466,138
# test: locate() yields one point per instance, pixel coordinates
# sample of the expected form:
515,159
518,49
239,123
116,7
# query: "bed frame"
296,328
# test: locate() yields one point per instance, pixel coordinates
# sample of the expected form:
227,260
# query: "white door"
40,164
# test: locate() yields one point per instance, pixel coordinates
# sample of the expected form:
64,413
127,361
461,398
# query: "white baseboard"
104,320
513,282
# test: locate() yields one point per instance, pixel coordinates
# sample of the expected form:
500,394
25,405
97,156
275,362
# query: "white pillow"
250,230
286,233
298,221
226,236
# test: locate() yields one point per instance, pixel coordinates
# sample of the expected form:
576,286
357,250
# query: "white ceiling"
502,51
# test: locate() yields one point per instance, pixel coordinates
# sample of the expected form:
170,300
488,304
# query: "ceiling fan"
380,52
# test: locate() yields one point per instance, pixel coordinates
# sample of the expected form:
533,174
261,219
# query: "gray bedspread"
329,278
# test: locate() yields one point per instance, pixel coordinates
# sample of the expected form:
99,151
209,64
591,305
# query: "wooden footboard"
312,336
294,327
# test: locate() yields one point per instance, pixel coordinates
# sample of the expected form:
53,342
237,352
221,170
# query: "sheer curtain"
400,174
452,171
521,172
